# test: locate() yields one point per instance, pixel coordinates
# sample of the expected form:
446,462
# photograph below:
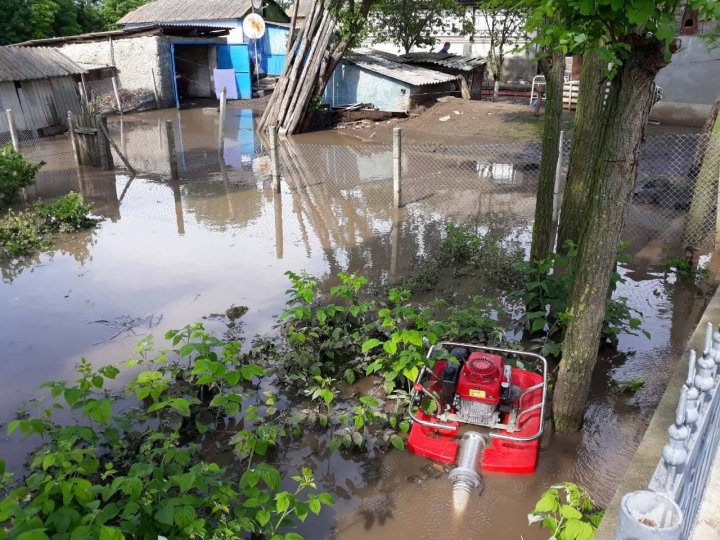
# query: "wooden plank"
85,130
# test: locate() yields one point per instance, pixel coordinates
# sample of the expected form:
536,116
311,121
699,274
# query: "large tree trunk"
542,233
584,151
707,169
610,190
308,68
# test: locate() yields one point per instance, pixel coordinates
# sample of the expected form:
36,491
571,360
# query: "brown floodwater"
171,253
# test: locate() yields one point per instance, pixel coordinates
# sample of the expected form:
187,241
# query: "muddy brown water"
171,253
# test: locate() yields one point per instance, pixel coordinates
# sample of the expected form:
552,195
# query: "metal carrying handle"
414,395
521,412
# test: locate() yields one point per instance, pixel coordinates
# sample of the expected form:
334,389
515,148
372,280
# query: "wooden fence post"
172,152
274,164
103,144
13,130
221,120
120,153
73,137
397,166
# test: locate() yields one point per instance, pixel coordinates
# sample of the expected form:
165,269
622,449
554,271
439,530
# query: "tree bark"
707,169
542,234
610,191
584,151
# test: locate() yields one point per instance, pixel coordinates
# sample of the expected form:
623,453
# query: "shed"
471,68
271,48
39,86
386,82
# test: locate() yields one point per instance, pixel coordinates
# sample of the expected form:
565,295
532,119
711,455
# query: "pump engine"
475,386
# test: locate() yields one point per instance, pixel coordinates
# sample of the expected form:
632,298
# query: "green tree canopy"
415,23
22,20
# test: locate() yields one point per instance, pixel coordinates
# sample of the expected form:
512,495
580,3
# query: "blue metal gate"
236,56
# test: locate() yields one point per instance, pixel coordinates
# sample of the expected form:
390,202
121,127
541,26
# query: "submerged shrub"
29,230
67,214
16,173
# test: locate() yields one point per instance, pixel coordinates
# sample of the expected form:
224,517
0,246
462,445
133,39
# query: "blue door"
235,56
274,49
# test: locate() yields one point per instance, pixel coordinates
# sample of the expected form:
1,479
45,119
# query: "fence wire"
674,200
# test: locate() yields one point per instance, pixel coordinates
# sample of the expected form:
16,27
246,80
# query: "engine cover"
479,388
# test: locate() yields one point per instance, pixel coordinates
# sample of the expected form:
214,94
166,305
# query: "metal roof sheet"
451,61
187,10
22,64
385,65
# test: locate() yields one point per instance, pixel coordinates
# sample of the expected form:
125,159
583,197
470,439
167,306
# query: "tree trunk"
542,234
707,169
610,190
584,151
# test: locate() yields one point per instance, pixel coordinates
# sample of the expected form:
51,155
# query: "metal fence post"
274,164
13,129
556,190
221,119
172,152
397,166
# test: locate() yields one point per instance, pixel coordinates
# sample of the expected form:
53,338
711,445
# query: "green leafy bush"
572,517
67,214
116,473
16,173
545,297
29,230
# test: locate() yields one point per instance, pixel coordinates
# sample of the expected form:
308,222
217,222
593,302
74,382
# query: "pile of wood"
311,60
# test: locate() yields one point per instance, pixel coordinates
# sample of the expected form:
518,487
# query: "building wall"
690,83
351,84
38,103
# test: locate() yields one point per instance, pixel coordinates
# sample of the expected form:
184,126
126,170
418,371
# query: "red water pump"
474,385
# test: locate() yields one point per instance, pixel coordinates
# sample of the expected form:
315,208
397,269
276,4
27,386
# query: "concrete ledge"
680,114
646,458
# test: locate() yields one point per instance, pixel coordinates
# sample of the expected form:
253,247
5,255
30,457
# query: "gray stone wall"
136,58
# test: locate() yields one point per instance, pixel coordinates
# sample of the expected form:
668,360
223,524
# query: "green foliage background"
21,20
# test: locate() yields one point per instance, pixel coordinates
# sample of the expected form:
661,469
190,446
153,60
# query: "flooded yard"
171,253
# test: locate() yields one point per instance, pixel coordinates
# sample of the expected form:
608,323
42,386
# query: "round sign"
253,26
256,4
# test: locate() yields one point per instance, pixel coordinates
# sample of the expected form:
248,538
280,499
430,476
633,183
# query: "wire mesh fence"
674,200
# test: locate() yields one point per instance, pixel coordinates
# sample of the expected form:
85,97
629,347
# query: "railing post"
496,91
13,129
172,152
397,166
274,163
221,119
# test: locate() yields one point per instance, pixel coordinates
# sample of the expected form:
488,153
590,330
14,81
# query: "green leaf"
547,503
181,405
35,534
184,481
184,516
326,499
538,324
315,506
110,533
262,517
370,344
293,536
397,441
569,512
165,514
283,500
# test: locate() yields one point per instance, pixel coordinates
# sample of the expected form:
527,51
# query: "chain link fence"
674,201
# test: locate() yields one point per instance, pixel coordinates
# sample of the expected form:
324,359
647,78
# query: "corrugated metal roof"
451,61
385,65
187,10
92,36
22,64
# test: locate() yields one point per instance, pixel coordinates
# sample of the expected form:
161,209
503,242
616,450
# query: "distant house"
386,82
40,86
271,48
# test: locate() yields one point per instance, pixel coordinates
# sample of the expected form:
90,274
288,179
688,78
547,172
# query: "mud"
171,253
